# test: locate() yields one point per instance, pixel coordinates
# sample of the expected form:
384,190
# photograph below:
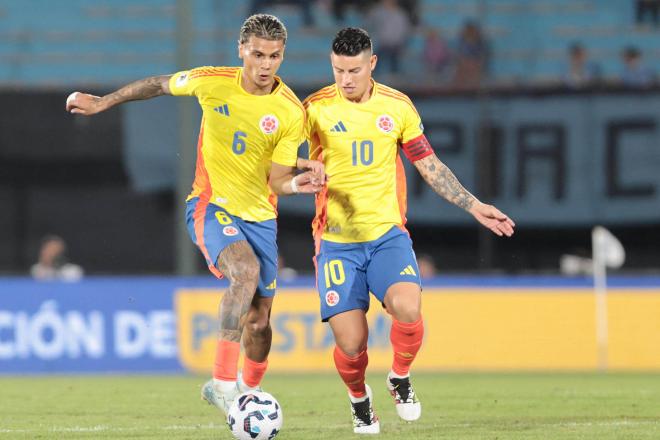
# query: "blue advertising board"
106,324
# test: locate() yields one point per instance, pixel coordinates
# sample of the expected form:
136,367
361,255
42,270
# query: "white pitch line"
609,423
190,427
105,428
561,424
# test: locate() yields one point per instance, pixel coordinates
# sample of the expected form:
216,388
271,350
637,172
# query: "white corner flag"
607,251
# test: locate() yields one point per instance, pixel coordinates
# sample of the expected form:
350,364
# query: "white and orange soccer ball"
255,415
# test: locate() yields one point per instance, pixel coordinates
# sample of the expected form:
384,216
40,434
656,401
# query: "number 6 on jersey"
238,144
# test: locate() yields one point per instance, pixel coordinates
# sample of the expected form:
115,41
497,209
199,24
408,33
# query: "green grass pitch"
455,406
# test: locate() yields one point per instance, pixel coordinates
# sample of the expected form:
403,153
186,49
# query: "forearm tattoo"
142,89
239,265
444,182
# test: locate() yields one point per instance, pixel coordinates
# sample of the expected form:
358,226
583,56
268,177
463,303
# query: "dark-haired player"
358,127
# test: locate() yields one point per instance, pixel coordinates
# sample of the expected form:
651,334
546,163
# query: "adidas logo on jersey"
408,271
222,109
272,285
339,128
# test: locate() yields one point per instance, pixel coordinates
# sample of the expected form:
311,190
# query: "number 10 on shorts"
334,273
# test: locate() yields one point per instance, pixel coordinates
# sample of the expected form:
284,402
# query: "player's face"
261,60
353,74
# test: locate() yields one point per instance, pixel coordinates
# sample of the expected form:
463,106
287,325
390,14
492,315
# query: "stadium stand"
103,42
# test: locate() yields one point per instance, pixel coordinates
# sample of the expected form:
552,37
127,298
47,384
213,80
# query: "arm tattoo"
238,263
444,182
141,89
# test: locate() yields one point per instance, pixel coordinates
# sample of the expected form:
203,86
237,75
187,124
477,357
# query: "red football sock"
253,372
406,339
351,370
226,360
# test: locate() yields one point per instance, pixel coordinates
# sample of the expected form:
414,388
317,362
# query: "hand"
493,219
308,183
84,104
315,167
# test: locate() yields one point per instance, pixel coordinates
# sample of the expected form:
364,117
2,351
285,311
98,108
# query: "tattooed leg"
240,266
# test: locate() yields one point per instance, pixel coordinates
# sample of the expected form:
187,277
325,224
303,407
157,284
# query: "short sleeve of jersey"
309,122
412,123
310,131
186,82
286,150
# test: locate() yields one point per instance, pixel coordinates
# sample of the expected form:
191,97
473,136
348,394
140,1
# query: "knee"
258,325
406,311
352,348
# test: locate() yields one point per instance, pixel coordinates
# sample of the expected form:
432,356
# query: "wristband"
294,187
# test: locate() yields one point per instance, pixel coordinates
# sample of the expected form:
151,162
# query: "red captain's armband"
417,148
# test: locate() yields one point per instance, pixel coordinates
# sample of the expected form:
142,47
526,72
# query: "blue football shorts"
347,272
212,229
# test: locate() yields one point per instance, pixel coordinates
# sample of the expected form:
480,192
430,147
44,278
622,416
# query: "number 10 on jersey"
363,153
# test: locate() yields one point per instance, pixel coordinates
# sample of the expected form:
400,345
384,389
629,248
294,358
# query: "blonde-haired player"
246,154
358,128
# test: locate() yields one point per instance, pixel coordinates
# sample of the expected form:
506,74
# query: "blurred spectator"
436,53
645,9
411,7
390,27
285,273
53,264
580,72
575,265
426,266
634,73
339,7
258,6
472,56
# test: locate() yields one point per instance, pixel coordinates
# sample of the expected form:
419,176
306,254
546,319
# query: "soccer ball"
255,415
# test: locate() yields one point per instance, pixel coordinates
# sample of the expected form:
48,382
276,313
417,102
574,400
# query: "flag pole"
600,293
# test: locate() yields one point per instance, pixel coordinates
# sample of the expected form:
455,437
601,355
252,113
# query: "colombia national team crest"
331,298
269,124
385,123
230,231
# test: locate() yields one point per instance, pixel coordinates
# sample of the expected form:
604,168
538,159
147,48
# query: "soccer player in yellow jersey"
358,128
246,154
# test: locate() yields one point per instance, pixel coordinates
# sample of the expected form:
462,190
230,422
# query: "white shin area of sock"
224,386
393,375
358,399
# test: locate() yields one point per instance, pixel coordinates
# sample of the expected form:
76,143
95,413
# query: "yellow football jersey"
240,134
359,144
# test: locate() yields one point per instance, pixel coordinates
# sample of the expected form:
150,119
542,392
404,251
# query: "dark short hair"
631,52
51,237
265,26
351,42
575,48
